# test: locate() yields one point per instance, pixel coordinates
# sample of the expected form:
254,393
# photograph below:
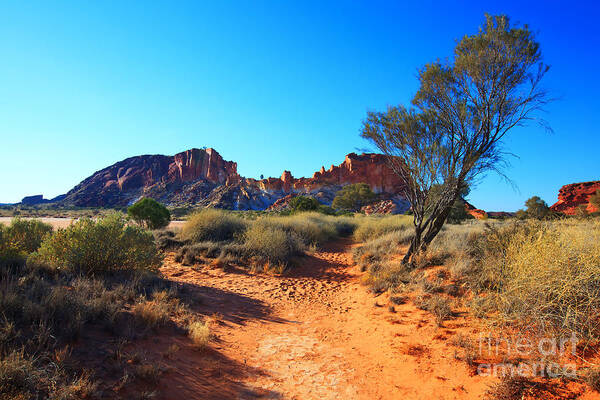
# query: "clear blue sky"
272,85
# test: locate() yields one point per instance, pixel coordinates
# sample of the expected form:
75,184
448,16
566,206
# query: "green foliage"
212,225
323,209
464,107
22,236
353,197
536,208
303,203
95,247
150,213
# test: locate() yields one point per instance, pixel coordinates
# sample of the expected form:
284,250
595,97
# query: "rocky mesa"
572,196
201,177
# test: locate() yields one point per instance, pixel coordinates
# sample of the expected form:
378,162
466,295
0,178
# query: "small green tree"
537,208
353,197
303,203
150,213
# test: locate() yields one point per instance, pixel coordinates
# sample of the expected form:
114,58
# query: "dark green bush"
303,203
150,213
106,245
353,197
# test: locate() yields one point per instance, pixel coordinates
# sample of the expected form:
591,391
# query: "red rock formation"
575,194
380,207
475,212
196,163
371,169
191,176
281,203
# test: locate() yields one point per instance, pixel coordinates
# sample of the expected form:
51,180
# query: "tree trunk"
420,242
434,228
415,244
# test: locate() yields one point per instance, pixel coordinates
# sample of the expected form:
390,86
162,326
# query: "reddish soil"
315,333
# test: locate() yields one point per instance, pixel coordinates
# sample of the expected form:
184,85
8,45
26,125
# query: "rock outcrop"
475,212
572,196
201,177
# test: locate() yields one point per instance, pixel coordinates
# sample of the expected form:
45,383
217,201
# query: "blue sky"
272,85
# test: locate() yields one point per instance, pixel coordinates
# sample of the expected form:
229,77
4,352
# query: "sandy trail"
315,334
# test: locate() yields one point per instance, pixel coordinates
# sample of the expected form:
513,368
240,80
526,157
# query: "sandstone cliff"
575,194
202,178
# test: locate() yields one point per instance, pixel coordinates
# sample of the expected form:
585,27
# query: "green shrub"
150,213
323,209
353,197
106,245
212,225
303,203
22,236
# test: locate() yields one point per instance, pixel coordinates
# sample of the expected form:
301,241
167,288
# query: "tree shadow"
231,307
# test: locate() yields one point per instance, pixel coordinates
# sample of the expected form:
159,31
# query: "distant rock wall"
202,177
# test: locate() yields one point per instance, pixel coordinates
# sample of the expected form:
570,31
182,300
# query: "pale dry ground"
58,222
316,333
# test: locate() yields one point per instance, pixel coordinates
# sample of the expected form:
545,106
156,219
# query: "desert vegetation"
535,277
58,286
268,241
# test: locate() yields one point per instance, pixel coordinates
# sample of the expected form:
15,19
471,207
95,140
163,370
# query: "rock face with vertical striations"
572,196
201,177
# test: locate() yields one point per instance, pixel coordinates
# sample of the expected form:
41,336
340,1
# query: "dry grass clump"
273,242
199,333
511,387
438,305
592,378
381,248
154,313
268,239
544,275
212,225
372,227
392,276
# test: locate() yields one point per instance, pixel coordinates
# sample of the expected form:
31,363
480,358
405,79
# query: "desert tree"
537,208
150,213
463,109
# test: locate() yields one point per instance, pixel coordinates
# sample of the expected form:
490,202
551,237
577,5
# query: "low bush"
92,247
212,225
22,237
275,243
